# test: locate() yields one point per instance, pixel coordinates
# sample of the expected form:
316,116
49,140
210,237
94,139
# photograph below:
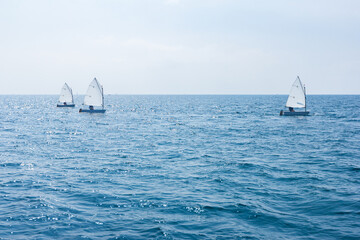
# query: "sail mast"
102,93
305,96
72,96
304,90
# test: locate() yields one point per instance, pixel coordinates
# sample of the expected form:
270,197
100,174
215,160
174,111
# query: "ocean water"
180,167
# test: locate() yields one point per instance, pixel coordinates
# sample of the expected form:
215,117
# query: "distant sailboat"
94,98
296,99
66,98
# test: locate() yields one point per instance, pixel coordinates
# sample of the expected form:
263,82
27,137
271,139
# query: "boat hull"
92,111
287,113
67,105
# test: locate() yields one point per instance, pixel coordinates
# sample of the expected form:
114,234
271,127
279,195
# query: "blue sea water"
180,167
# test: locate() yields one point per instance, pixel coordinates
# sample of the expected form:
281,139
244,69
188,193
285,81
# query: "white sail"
94,94
297,98
66,95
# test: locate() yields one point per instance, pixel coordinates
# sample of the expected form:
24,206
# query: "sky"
180,46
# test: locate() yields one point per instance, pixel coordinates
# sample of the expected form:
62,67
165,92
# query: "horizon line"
187,94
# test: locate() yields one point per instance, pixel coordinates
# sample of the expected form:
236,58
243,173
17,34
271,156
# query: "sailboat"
94,98
296,99
66,98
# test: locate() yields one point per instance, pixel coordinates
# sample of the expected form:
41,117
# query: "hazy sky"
180,46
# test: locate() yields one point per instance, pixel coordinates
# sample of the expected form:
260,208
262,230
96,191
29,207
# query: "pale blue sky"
180,46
